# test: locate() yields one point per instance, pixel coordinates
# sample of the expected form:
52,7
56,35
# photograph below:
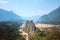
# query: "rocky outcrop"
29,27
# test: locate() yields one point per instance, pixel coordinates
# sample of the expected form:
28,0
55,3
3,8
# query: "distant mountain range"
9,16
34,18
51,18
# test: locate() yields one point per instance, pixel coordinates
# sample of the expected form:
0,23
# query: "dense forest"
10,31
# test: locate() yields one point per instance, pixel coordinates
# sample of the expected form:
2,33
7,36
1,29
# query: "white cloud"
3,2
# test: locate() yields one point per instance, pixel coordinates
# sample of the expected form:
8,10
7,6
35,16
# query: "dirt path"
24,34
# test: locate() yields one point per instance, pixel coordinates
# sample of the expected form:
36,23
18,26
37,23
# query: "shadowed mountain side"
9,16
9,25
51,18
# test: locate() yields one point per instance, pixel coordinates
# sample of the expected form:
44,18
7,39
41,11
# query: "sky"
29,8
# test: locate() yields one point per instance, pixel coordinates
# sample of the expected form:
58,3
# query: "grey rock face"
29,27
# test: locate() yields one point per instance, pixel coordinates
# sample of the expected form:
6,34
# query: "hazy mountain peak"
9,16
51,18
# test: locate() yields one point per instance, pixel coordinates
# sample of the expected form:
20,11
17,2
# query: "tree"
10,31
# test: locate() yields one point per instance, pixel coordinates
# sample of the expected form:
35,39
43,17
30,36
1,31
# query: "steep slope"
9,16
51,18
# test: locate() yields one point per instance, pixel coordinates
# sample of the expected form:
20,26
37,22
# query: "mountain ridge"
9,16
51,18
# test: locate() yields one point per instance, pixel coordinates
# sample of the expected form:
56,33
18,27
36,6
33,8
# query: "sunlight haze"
29,8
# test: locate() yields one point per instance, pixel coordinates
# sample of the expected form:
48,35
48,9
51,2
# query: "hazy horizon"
29,8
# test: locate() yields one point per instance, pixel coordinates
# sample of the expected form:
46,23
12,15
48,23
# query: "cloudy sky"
29,8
